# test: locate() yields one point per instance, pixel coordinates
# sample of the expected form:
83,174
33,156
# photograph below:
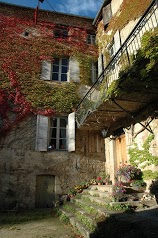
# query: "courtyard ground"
33,224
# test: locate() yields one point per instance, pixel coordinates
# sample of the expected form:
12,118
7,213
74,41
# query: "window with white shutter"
57,70
56,133
107,14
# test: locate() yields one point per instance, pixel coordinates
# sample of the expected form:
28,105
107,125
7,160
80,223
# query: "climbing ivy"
22,92
138,156
149,174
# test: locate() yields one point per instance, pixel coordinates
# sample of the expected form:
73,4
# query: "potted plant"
84,184
138,185
154,189
78,189
127,173
99,180
93,181
105,177
118,191
72,192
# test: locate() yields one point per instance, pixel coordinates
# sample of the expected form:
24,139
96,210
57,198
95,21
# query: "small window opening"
26,33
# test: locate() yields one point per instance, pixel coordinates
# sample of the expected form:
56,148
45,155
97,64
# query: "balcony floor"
132,106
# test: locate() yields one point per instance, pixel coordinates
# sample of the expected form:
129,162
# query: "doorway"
121,150
45,191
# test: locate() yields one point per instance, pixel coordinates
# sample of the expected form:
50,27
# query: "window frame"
91,38
59,32
60,73
58,137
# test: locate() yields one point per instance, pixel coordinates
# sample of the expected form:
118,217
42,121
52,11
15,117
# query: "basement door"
121,150
45,195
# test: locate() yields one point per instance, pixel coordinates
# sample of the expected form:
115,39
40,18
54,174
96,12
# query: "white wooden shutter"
74,70
94,75
100,64
107,14
117,41
71,132
42,133
46,70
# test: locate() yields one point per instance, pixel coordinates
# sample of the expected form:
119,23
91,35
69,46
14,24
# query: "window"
57,133
91,39
60,69
60,33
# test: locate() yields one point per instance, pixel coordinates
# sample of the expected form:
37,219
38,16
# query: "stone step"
102,188
130,203
96,193
79,226
150,203
96,200
82,210
96,208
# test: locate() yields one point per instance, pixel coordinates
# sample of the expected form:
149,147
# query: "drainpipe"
36,11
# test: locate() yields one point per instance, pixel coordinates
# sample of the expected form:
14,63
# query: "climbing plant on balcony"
143,71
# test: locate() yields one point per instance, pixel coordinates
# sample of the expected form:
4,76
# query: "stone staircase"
92,212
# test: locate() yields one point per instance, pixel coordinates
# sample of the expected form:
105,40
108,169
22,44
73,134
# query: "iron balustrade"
122,59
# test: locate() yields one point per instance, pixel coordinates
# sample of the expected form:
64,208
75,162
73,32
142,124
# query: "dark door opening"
45,187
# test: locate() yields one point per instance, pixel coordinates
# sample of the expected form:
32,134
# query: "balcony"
97,110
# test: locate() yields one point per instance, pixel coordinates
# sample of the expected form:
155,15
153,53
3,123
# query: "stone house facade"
43,156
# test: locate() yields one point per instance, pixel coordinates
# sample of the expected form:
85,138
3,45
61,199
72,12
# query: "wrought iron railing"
97,93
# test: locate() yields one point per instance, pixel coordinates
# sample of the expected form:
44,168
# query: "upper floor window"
60,69
57,133
60,33
91,39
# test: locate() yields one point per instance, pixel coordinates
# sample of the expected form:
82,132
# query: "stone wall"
20,164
